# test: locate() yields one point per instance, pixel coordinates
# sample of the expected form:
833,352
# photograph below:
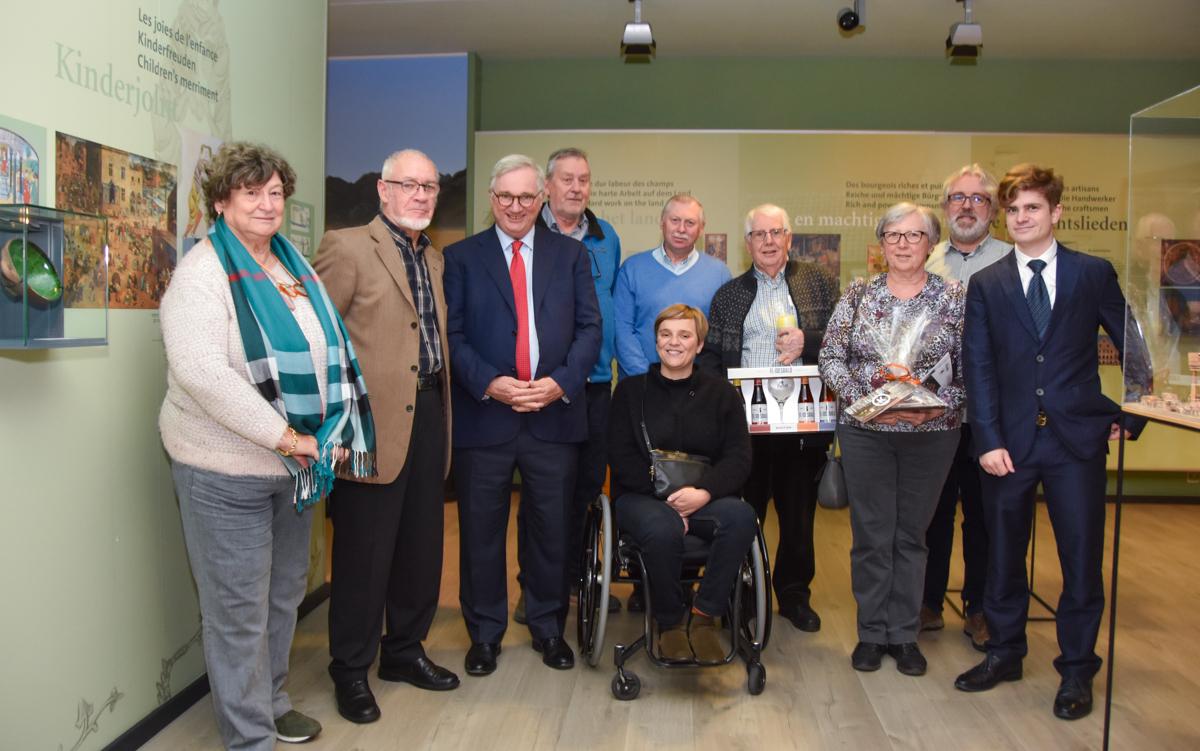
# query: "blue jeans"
249,554
728,523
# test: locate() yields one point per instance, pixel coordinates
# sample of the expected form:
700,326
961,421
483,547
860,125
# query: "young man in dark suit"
1029,354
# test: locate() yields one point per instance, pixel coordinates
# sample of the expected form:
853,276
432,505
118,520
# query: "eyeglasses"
913,236
957,199
525,199
759,235
409,187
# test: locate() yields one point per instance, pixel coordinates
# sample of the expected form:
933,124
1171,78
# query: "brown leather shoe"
931,621
976,627
673,645
702,634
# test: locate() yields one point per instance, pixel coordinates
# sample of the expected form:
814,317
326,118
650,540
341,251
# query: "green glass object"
27,261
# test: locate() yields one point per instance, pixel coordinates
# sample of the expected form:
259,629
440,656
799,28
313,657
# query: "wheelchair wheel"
756,678
596,575
626,687
755,583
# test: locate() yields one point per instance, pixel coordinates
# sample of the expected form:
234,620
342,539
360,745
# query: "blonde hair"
678,312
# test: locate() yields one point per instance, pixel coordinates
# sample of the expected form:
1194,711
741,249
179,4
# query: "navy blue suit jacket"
481,327
1011,373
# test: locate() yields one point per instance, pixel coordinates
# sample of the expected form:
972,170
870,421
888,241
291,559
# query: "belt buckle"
1041,419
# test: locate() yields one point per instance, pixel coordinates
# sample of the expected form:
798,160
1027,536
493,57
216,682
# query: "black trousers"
963,481
657,529
483,479
387,554
589,480
785,468
1075,501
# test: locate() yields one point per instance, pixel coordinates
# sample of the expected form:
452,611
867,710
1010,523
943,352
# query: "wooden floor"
813,699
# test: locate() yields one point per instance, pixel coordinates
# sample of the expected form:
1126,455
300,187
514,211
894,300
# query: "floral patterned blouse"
869,315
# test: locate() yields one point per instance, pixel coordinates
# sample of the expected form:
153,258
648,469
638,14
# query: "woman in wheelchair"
686,410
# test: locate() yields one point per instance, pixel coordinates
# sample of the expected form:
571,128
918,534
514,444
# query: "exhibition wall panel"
101,623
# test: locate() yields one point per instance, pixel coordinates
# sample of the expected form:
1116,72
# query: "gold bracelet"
295,441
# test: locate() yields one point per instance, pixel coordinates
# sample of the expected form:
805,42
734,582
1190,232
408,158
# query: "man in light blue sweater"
674,272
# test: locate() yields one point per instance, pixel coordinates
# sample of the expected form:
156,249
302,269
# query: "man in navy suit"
1029,356
524,331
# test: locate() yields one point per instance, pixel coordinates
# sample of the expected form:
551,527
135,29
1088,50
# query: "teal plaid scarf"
281,367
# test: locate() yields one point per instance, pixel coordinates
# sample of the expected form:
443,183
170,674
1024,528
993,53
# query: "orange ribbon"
894,371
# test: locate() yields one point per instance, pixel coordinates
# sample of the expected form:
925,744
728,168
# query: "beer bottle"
758,404
827,409
806,405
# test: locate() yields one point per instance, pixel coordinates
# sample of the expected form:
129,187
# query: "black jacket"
701,414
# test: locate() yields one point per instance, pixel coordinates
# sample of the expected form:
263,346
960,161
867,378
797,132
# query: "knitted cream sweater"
213,417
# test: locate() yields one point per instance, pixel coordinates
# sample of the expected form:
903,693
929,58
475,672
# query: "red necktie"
516,272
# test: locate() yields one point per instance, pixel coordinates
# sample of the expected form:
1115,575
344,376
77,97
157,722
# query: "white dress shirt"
1048,274
506,243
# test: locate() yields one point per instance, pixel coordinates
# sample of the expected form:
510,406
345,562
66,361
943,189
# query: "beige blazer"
364,274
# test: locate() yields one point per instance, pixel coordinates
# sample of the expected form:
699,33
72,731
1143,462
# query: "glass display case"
1162,275
53,278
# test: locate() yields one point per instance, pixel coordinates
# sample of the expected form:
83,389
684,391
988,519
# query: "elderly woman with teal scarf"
264,400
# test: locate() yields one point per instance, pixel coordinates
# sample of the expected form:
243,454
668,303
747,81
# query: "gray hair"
768,209
514,162
974,170
933,228
396,156
565,153
681,198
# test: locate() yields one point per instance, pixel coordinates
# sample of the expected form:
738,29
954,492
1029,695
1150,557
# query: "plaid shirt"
758,330
430,361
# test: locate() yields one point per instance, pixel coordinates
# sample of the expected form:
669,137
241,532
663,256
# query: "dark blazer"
813,291
1011,373
482,330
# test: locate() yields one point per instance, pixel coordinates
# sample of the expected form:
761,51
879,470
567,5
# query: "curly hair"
241,165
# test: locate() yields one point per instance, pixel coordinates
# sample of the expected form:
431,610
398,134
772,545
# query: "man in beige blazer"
386,280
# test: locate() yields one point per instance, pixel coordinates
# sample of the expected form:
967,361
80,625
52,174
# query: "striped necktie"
1038,298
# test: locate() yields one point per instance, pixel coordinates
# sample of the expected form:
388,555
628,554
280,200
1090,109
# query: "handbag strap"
645,433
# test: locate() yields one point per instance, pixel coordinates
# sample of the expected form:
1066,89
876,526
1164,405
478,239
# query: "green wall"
821,94
100,619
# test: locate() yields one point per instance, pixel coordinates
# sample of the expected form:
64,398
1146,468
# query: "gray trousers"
249,554
894,480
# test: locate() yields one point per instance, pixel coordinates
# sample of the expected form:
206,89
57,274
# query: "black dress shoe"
422,673
481,658
1074,699
556,653
802,617
867,657
355,701
908,657
987,674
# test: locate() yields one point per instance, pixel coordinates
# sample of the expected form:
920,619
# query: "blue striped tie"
1038,298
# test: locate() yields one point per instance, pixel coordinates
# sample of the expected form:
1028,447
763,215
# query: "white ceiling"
1012,29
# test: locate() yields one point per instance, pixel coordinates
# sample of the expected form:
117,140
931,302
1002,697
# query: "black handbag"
671,470
831,481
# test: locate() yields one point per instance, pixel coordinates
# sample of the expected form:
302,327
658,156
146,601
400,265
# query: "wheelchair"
608,559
